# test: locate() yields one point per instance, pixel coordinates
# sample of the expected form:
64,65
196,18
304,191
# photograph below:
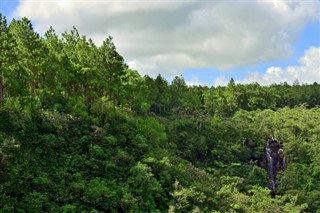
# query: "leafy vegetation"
82,132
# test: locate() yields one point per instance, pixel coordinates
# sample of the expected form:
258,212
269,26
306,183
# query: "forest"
82,132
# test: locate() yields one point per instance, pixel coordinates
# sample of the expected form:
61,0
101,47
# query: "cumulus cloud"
167,37
220,81
195,81
307,72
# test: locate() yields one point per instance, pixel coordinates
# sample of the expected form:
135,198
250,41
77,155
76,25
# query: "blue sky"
7,7
206,42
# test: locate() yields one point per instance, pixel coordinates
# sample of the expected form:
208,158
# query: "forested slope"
82,132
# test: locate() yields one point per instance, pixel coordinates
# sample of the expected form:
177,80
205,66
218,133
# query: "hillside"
82,132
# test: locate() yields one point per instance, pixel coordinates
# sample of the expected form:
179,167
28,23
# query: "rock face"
274,160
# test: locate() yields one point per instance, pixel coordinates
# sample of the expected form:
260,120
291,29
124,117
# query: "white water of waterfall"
270,169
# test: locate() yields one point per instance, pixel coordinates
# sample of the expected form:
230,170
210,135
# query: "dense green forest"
82,132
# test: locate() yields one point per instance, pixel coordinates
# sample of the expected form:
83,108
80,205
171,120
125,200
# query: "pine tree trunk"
1,90
87,98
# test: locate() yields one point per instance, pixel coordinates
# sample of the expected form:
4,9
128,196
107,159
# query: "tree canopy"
82,132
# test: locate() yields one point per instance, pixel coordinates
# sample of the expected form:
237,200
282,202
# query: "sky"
208,42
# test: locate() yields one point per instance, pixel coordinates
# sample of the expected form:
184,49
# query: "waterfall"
270,168
275,160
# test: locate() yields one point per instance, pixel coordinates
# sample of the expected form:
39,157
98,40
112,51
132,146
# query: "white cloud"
307,72
220,81
195,81
168,37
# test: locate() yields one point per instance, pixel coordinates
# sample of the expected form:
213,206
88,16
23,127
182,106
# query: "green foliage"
186,199
257,199
154,135
81,132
